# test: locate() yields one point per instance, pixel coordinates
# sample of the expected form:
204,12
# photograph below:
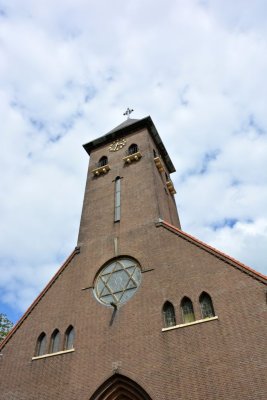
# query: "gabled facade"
140,309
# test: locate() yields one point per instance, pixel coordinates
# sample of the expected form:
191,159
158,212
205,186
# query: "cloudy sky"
68,71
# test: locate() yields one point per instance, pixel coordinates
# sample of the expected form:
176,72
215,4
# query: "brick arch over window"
133,148
206,305
69,338
103,161
41,345
55,341
119,387
187,310
168,314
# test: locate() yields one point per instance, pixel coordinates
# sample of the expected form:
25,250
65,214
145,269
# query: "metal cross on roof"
128,112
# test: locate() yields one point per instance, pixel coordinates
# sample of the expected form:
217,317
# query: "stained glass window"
55,342
69,338
187,310
169,314
206,305
118,281
41,345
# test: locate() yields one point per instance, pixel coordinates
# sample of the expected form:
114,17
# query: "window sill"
58,353
200,321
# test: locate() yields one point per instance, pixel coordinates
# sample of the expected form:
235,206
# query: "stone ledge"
101,170
132,157
200,321
53,354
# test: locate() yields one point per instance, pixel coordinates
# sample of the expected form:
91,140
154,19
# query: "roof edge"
244,268
41,295
120,132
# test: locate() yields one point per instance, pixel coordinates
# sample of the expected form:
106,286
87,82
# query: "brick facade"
217,358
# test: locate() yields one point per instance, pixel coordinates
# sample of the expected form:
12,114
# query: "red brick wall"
219,359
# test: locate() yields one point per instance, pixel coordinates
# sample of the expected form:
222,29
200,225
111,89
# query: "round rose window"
118,281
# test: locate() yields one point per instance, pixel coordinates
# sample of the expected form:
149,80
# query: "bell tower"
140,310
128,183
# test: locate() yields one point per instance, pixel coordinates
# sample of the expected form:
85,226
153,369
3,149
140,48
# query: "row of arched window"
187,310
55,344
131,150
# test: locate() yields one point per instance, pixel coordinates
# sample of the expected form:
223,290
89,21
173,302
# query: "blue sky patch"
226,222
208,157
252,123
90,92
37,124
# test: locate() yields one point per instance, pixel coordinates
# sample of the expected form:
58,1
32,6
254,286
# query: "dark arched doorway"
119,387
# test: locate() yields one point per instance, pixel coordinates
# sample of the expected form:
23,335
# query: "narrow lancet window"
187,310
206,305
41,345
55,341
117,215
69,338
169,314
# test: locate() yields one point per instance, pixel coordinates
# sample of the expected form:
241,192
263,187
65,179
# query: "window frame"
55,341
204,296
168,312
185,304
68,331
41,345
117,202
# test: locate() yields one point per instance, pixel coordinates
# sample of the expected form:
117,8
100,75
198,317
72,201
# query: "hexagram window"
206,305
169,314
187,310
41,345
118,281
55,341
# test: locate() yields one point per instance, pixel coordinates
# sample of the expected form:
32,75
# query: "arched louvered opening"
55,341
168,314
119,387
206,305
69,338
133,149
103,161
187,310
41,345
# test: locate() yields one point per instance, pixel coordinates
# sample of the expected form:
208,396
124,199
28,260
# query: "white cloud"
68,70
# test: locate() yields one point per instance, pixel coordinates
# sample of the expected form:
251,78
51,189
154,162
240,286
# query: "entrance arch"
119,387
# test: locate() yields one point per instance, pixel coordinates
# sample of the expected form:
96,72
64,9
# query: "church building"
140,310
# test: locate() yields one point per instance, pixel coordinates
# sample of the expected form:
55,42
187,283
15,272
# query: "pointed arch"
207,309
41,345
69,338
187,310
168,314
120,387
55,341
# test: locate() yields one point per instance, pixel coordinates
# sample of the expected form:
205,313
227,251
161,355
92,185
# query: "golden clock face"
117,145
